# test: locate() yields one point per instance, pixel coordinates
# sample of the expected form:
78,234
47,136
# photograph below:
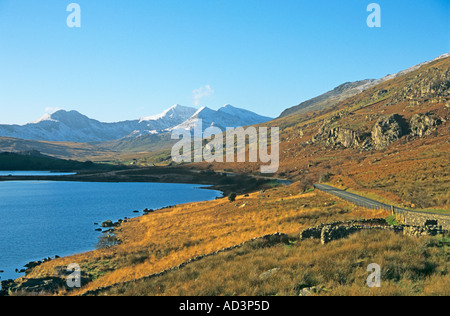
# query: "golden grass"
409,266
168,237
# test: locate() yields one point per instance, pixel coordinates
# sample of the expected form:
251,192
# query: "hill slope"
346,91
391,140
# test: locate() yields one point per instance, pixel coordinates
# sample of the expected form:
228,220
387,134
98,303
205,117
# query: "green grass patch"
391,220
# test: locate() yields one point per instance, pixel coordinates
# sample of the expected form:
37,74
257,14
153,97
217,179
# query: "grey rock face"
387,130
423,124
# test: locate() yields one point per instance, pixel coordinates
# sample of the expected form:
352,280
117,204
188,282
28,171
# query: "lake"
40,219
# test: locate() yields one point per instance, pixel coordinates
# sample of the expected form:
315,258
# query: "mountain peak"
69,117
226,116
59,115
43,118
176,110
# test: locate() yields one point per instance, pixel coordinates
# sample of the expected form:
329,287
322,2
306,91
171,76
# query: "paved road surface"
353,198
365,202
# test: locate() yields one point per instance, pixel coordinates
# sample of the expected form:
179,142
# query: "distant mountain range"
72,126
68,134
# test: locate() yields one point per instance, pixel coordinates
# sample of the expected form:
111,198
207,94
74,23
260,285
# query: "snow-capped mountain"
245,117
173,116
68,126
71,126
226,116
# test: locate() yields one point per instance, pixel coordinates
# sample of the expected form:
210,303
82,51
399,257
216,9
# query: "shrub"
325,177
232,197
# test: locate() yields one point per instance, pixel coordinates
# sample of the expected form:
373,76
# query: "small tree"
306,183
325,177
232,197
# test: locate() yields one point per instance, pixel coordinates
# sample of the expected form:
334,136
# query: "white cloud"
200,93
51,110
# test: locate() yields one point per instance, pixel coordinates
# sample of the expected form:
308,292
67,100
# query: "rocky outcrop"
422,125
430,86
41,286
420,91
33,286
342,137
387,130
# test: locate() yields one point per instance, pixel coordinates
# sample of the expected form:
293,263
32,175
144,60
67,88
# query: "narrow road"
365,202
353,198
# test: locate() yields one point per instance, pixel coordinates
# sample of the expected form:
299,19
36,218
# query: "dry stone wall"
422,219
338,230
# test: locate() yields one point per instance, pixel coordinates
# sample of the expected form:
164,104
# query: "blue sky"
136,58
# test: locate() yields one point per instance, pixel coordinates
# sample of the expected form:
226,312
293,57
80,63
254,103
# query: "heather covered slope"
391,141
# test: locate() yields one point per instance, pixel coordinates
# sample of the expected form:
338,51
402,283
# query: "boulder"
309,291
108,223
268,274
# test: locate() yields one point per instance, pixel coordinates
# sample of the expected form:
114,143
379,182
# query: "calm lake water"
40,219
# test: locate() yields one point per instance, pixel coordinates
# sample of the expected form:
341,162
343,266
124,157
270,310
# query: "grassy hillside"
409,267
342,143
171,236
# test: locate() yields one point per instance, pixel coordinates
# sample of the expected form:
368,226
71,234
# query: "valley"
386,140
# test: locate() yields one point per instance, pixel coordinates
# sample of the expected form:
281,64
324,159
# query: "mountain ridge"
347,90
72,126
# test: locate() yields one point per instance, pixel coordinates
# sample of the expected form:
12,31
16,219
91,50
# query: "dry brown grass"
168,237
408,267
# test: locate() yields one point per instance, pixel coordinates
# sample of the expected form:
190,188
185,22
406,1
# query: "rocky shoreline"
107,238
